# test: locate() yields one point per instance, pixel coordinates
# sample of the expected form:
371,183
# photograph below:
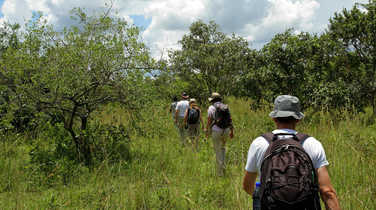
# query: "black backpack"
222,116
193,116
288,177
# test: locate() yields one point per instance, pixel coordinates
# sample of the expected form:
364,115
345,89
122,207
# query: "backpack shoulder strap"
302,137
268,136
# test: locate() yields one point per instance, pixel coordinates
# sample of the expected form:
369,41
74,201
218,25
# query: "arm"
201,121
208,124
249,182
231,129
328,194
231,132
186,116
176,115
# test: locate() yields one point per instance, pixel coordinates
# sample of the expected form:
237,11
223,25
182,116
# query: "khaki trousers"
219,143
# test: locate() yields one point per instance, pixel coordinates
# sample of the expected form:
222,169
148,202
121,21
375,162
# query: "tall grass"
165,175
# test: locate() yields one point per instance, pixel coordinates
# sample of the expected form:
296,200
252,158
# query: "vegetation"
163,175
84,121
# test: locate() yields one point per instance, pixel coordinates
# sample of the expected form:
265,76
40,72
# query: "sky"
164,22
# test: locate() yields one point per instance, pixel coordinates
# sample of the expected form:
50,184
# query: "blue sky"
164,22
1,4
140,21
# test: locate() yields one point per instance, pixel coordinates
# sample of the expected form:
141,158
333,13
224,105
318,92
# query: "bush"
109,143
54,158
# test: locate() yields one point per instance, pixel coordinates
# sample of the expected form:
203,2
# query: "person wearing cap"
219,135
193,128
181,108
286,115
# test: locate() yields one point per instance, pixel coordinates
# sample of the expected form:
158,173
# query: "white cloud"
257,21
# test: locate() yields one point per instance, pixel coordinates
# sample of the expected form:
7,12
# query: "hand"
231,134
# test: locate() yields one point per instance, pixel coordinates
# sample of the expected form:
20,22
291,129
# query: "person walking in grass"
181,108
173,106
292,166
220,126
192,120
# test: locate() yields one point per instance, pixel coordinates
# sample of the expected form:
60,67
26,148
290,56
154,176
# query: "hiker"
192,121
220,127
181,108
307,164
173,106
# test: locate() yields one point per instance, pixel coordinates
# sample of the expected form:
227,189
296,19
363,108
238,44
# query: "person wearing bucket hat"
220,126
286,106
181,108
286,115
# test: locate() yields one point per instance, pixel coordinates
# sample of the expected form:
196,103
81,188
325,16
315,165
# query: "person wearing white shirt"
181,108
286,115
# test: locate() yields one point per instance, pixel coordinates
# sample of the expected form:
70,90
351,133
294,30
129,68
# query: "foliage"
209,60
70,74
163,175
355,31
53,160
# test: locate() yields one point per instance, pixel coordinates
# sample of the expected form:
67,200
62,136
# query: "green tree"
355,30
72,73
285,63
209,60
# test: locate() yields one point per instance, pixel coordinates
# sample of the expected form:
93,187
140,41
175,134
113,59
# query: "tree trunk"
85,144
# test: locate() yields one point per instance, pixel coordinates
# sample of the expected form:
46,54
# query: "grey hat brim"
276,114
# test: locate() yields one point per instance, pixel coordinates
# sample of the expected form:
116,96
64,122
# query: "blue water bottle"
256,197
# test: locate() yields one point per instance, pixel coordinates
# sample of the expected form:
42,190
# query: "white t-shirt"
259,146
182,106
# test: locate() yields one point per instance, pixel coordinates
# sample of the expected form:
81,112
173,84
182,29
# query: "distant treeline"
333,69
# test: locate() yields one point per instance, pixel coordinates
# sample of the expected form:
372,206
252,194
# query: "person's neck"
286,126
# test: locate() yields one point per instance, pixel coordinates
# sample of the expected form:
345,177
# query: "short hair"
216,100
286,120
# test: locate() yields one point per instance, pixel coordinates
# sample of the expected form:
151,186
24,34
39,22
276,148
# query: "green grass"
163,175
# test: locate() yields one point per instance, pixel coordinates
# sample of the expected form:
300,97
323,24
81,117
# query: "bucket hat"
286,106
214,96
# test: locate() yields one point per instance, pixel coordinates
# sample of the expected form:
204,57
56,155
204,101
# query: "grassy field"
164,175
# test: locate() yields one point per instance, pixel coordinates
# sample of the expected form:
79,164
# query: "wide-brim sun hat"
192,100
287,106
214,96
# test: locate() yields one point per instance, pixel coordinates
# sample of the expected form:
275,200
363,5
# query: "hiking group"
188,117
292,166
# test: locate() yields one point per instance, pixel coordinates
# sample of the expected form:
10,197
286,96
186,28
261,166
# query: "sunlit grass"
164,175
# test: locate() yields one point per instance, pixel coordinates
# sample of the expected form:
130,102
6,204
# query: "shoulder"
312,142
260,143
316,151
